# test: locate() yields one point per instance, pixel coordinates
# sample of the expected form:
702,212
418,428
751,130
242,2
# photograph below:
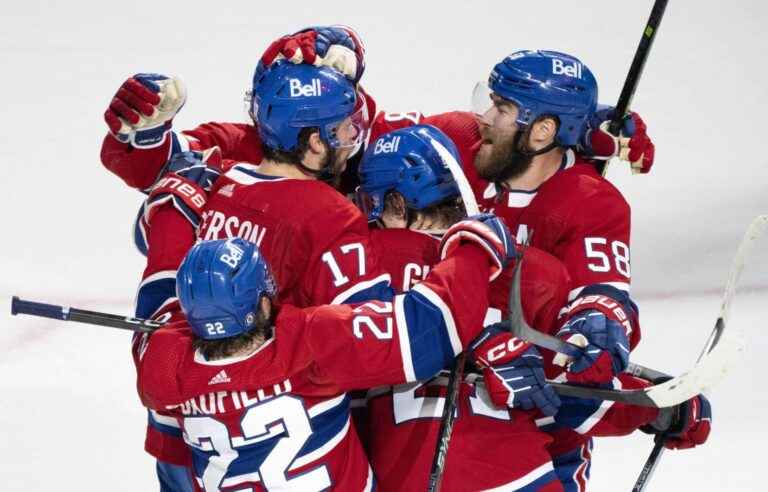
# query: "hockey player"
315,239
407,187
258,387
518,154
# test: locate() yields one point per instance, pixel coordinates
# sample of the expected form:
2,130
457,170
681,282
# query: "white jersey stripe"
593,419
524,480
405,341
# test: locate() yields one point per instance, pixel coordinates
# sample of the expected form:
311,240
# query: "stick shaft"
638,64
66,313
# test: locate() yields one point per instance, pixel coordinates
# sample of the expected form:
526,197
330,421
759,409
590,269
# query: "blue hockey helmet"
219,285
287,97
547,83
415,161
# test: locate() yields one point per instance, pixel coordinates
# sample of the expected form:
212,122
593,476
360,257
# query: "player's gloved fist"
513,371
632,145
683,426
188,178
337,47
143,108
604,348
487,231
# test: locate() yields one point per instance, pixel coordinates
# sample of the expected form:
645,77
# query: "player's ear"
395,215
265,307
543,131
315,145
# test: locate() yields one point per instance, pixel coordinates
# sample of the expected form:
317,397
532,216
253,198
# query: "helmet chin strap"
524,153
524,150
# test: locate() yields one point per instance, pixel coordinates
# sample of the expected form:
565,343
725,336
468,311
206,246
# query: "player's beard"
500,158
332,164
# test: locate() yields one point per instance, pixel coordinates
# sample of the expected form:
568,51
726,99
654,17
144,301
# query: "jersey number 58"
597,249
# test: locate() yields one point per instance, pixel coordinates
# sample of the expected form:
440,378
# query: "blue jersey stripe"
425,324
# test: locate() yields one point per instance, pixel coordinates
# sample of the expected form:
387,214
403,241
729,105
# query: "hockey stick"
457,372
754,231
66,313
705,374
635,71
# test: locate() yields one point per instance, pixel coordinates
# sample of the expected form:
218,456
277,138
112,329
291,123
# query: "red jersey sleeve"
408,339
140,168
169,236
158,358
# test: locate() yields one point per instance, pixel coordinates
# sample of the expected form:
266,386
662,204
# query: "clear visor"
481,98
349,132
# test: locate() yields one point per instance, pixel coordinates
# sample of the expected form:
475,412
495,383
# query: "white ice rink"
69,416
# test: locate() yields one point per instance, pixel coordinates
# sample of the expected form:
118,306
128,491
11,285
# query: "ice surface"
69,415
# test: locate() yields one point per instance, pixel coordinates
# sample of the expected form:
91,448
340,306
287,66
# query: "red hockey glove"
337,47
632,145
143,108
513,371
683,426
487,231
186,183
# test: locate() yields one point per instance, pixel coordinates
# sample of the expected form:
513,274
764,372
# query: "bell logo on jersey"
560,68
312,89
385,147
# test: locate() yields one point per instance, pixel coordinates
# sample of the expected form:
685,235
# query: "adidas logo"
219,378
227,190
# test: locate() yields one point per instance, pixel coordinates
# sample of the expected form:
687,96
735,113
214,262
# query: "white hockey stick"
720,352
756,229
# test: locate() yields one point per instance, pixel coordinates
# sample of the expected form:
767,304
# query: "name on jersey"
559,67
384,146
217,225
226,401
313,89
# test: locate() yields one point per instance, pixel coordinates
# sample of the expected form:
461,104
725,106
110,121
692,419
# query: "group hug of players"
308,334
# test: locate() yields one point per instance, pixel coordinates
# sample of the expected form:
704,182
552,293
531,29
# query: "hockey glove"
683,426
143,108
513,371
186,183
337,47
487,231
632,145
602,335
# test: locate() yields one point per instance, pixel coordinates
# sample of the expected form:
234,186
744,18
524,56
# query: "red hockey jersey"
279,417
490,447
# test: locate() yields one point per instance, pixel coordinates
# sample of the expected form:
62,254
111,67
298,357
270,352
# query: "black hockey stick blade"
66,313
